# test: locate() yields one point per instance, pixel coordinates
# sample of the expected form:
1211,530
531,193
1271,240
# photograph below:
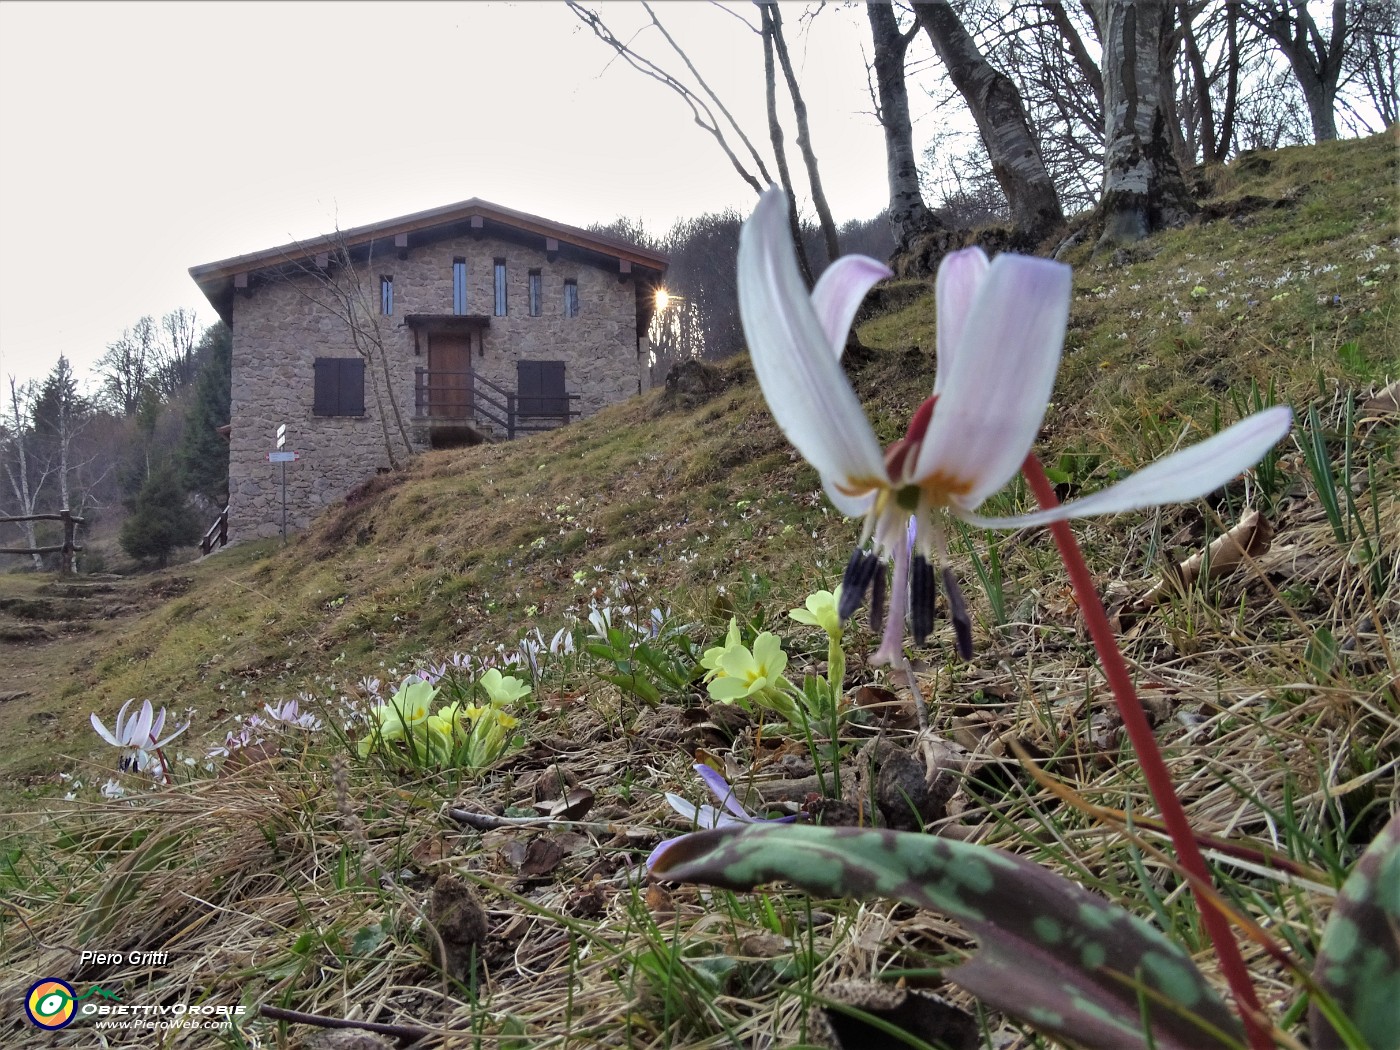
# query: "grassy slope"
1292,285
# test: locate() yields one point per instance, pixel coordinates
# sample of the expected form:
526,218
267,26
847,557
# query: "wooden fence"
69,547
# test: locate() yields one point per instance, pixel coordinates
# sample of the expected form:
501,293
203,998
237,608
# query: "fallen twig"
404,1032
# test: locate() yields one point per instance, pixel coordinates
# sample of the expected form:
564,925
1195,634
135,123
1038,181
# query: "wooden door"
449,375
540,389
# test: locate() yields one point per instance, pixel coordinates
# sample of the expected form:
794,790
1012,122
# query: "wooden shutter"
540,385
340,387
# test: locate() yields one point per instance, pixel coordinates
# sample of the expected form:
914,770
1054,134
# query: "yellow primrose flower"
821,611
711,660
503,689
746,673
411,702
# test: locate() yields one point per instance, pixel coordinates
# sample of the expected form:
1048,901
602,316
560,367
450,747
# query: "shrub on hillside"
160,519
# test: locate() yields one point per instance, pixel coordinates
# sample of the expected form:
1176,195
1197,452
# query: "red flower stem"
1149,756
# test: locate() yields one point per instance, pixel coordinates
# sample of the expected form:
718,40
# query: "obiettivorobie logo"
53,1004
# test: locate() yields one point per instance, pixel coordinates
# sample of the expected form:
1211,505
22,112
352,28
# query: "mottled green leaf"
1052,954
1358,963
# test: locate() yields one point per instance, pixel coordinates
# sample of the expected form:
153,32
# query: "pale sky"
139,139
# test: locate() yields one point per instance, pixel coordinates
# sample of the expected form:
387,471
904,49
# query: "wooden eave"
447,322
217,279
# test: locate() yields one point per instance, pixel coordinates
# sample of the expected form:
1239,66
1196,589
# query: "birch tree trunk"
909,216
1001,120
1143,189
26,490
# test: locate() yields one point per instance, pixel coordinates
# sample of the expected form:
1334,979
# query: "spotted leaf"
1052,954
1358,964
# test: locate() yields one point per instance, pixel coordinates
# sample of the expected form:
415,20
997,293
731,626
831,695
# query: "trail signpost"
282,456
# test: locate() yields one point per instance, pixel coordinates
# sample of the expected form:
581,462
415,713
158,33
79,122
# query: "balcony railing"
469,397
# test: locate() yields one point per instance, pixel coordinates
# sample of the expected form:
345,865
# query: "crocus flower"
138,735
705,816
289,713
1001,327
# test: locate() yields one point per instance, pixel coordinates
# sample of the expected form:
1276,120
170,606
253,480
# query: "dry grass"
306,881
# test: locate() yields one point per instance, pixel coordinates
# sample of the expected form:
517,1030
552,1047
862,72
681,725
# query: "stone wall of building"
282,325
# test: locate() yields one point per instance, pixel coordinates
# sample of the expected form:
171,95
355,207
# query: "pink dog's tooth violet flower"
1001,329
138,736
705,816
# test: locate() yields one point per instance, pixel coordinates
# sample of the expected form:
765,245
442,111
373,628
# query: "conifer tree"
203,451
160,519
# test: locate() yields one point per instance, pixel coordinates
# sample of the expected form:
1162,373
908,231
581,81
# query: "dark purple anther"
957,612
860,570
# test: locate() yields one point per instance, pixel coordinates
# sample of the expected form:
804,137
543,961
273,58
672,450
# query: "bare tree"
772,18
339,289
1001,120
128,367
175,367
1203,133
908,214
775,136
24,473
700,109
1143,190
1317,58
706,109
1372,58
1041,48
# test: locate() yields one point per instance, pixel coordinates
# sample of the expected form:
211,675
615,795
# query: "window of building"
541,389
570,298
459,286
386,295
339,387
536,282
500,287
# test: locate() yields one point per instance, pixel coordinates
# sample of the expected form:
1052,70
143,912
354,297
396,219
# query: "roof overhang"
219,280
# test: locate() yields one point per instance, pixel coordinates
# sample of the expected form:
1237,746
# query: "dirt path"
52,631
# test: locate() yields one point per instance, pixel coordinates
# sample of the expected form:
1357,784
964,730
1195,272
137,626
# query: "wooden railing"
469,395
69,547
217,536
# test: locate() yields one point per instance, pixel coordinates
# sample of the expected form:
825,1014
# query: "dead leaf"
886,707
573,806
1386,403
1250,538
920,1013
542,856
764,945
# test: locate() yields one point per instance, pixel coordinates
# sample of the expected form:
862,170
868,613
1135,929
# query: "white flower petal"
839,292
138,730
850,506
960,274
995,393
801,378
685,808
719,787
103,733
1185,475
172,736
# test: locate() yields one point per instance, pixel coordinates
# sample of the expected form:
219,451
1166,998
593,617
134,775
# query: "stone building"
442,328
